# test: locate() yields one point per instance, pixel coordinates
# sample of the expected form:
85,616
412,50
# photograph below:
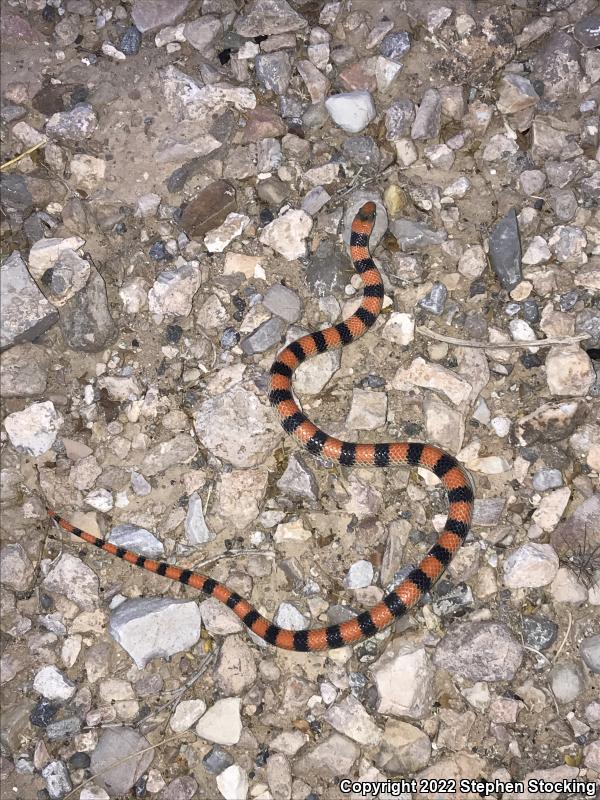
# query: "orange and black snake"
454,478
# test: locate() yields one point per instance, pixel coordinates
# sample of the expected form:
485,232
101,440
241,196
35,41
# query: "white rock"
87,172
217,240
312,376
138,539
457,188
186,714
368,410
565,588
134,295
406,152
531,565
150,628
287,234
351,111
433,376
569,371
173,291
53,685
288,616
404,678
196,529
501,426
237,427
537,252
233,783
359,575
45,253
399,328
100,499
473,262
547,515
75,580
218,619
350,718
222,723
34,430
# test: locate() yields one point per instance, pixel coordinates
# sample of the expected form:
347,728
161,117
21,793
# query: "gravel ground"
178,183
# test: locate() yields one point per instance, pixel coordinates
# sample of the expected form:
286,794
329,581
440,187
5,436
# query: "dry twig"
429,334
22,155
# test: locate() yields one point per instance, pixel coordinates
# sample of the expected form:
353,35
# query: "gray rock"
150,15
545,479
235,671
109,763
15,196
349,716
196,529
58,782
264,337
273,71
395,45
566,681
505,250
590,652
150,628
298,481
202,32
75,580
557,65
405,748
428,116
178,450
63,729
72,127
414,236
34,430
587,321
85,319
539,632
435,301
587,30
283,302
404,678
399,118
23,371
268,17
25,313
329,758
327,270
480,651
131,41
16,570
133,537
182,788
216,760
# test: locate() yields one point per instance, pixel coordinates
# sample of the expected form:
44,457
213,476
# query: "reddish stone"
263,123
208,209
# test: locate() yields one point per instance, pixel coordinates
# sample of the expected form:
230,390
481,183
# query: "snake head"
367,212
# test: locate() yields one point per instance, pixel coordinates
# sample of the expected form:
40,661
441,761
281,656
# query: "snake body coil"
454,478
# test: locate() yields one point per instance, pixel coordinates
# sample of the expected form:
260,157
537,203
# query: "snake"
455,479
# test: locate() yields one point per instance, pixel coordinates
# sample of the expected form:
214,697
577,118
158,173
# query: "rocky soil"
179,178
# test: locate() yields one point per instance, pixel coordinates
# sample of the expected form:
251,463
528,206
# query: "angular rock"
287,234
196,529
75,580
56,777
274,71
16,570
505,250
173,291
25,313
150,15
72,127
351,111
53,685
268,17
208,209
531,565
34,430
222,723
112,769
177,450
428,117
141,541
349,717
85,320
264,337
150,628
404,678
237,428
233,783
480,651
